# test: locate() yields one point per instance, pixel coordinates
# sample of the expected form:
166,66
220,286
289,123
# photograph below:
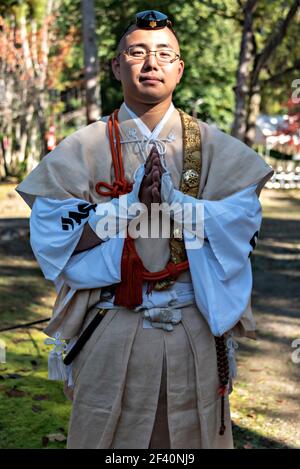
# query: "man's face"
134,74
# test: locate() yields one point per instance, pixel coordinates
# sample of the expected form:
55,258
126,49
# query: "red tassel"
150,286
222,391
222,426
129,292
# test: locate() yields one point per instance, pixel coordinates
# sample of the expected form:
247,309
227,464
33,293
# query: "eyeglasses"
140,53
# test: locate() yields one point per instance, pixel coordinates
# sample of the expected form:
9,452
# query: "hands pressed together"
150,189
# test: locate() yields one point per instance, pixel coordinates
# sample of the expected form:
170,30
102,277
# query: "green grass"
42,408
24,294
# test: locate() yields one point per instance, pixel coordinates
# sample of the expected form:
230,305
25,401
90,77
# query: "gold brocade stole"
189,184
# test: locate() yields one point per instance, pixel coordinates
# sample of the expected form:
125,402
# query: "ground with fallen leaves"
265,403
266,397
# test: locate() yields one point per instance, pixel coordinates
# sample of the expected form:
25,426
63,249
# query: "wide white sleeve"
96,268
231,226
55,229
221,269
219,252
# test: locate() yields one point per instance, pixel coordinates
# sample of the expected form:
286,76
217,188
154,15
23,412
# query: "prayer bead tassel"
223,372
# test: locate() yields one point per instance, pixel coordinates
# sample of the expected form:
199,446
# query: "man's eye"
165,54
137,52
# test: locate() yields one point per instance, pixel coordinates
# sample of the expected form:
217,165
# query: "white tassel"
69,367
232,346
56,367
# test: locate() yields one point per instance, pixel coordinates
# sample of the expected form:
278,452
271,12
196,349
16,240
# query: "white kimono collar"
142,126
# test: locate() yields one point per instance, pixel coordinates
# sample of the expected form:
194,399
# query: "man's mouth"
150,79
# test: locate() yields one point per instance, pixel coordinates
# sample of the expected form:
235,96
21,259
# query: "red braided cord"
119,151
120,186
112,147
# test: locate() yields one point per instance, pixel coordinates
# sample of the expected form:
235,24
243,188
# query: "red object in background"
51,139
5,143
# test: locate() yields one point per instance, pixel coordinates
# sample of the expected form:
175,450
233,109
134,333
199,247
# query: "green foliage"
210,65
20,8
209,33
276,85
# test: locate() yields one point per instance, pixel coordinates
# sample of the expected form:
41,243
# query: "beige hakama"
117,380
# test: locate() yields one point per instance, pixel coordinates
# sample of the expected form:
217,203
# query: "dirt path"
266,397
266,400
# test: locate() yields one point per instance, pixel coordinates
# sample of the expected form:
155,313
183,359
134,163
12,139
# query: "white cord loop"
145,142
232,346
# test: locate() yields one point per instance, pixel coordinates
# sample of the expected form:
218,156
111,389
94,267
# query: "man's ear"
180,71
115,65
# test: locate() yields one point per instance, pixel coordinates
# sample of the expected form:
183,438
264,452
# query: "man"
154,373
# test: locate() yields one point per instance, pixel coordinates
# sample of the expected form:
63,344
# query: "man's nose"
151,60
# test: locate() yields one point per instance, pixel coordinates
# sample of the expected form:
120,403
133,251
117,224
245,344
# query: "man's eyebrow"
142,44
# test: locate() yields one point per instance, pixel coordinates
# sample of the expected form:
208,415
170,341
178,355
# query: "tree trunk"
33,149
3,165
25,123
42,123
91,63
41,74
253,113
8,122
243,73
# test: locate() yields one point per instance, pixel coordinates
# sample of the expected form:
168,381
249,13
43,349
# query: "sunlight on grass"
31,406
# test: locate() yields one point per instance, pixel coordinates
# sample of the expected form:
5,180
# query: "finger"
155,161
150,156
159,164
154,150
148,166
151,161
156,184
155,195
147,198
161,168
153,154
148,180
155,174
155,158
